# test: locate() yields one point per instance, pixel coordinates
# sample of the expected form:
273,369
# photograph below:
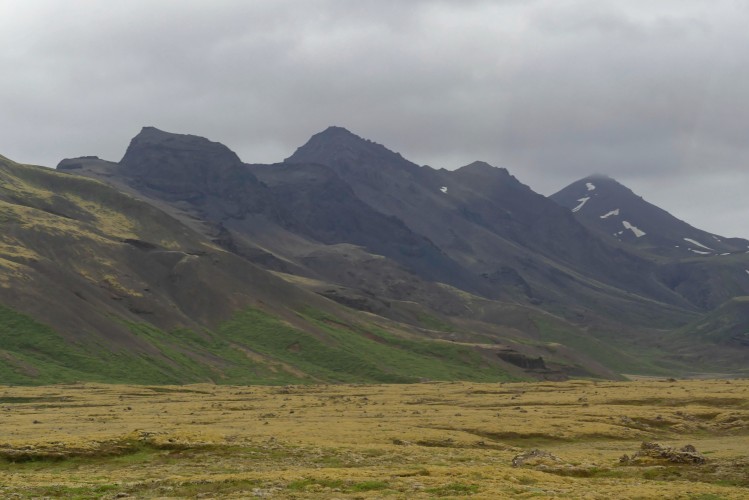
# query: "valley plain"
428,440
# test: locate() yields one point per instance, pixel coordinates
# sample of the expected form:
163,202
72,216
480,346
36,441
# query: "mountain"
725,325
98,285
705,268
285,223
344,262
493,225
608,206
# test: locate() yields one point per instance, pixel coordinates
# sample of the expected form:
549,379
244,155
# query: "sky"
654,94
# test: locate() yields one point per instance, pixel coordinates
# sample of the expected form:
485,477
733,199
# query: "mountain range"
347,262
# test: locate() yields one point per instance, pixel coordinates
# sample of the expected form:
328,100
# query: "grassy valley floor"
431,440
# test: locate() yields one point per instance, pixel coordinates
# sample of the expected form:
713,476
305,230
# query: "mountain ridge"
352,245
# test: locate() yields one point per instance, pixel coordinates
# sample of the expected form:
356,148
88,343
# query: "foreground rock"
535,457
685,455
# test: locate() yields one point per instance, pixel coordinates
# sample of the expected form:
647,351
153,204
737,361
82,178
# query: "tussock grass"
435,440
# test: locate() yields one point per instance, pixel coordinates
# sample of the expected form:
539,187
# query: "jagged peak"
479,167
478,164
336,130
338,145
338,134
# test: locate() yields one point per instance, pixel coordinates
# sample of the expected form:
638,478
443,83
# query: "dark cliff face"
479,215
305,199
373,171
189,168
175,163
317,203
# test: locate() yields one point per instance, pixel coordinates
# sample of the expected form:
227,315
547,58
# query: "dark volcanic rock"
519,359
484,219
310,200
535,457
341,149
189,168
317,203
166,161
685,455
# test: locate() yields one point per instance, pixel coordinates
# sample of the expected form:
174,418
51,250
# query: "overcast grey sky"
655,94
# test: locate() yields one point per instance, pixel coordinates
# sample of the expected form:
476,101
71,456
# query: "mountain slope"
97,285
728,324
493,225
470,258
318,204
705,268
605,204
339,189
309,201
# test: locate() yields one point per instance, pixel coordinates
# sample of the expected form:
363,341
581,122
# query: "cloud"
649,92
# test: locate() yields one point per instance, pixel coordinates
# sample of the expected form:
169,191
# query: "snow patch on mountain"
699,251
582,201
694,242
443,189
637,231
590,186
609,214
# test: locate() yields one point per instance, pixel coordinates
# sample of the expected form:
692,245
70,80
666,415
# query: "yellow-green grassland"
430,440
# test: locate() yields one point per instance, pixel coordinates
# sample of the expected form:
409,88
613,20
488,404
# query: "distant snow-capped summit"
605,205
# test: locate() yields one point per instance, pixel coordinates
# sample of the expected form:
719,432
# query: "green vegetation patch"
354,353
253,347
604,348
434,323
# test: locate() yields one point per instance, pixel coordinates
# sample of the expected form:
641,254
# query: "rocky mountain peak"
338,147
335,130
482,168
605,205
600,189
478,165
151,146
189,167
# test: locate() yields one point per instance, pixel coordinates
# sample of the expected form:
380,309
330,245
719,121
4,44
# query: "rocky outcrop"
523,361
188,168
535,457
654,451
